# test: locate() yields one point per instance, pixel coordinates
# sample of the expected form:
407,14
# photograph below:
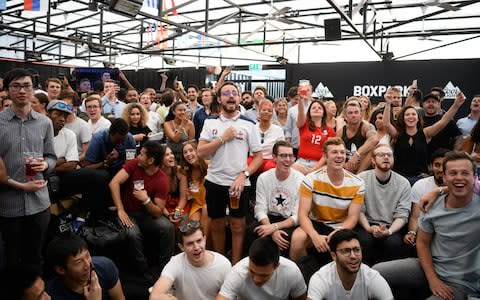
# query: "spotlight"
92,5
169,60
126,7
282,60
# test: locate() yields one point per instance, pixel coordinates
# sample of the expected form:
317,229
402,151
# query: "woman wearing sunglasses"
269,134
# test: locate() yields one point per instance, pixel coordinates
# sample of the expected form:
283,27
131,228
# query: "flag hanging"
152,3
35,5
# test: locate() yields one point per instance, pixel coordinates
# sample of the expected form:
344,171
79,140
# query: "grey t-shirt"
455,244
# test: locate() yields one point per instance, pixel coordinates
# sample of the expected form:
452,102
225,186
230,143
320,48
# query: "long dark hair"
172,177
171,115
310,122
400,124
187,168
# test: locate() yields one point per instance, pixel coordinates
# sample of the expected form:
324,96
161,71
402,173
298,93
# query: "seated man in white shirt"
277,196
264,275
346,277
196,273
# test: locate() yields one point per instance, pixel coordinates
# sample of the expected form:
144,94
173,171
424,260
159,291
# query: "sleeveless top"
177,147
352,144
411,160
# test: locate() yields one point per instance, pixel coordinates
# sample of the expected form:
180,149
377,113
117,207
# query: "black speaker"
332,29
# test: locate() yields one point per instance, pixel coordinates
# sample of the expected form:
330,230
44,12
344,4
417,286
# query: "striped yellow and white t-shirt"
329,202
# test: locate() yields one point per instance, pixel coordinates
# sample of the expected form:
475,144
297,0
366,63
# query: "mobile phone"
92,268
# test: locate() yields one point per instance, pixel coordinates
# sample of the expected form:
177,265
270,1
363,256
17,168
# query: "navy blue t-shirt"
107,274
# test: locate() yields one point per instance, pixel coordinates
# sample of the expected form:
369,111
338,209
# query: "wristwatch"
246,173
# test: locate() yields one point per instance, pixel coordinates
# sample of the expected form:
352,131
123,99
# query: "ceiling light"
126,7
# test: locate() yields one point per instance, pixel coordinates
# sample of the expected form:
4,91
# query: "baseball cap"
59,105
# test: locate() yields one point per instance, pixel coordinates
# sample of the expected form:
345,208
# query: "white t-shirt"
154,122
421,187
369,284
100,125
275,197
230,159
82,130
286,281
197,283
65,145
273,134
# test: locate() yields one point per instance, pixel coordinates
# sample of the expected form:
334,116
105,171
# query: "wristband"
441,191
411,232
146,201
389,232
276,226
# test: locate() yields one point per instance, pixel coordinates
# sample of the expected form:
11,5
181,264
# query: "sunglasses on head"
193,224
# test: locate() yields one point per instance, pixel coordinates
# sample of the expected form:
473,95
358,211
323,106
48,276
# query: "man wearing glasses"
385,210
196,273
228,139
24,214
346,277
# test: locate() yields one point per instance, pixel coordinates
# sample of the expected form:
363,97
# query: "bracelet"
146,201
276,226
411,232
441,191
105,164
389,232
221,140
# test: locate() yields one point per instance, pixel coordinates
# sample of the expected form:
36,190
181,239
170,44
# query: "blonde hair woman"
137,117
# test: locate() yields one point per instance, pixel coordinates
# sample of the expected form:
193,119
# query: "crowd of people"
238,195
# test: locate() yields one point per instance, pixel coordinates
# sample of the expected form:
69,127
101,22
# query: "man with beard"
259,93
346,277
196,273
228,139
449,136
385,210
358,135
422,187
192,106
247,100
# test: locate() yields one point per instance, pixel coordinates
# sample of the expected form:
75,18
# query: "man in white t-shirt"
196,273
277,196
93,107
264,275
346,277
